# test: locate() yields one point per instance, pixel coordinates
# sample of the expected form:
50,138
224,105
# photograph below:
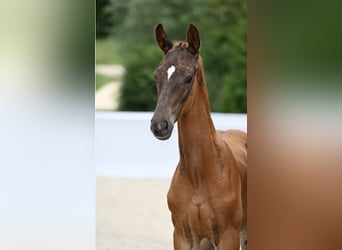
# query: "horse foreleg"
179,242
230,240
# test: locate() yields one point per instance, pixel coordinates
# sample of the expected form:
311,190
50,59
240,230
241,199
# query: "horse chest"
199,215
195,216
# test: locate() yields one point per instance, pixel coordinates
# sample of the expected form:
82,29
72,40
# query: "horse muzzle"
161,129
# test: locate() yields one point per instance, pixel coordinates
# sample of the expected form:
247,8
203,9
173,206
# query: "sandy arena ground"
132,214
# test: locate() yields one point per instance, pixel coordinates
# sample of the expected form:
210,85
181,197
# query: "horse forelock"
181,44
178,47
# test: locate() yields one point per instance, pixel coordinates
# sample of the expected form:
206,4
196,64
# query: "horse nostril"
161,129
162,125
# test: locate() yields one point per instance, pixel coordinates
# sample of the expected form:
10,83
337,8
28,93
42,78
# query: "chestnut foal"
207,196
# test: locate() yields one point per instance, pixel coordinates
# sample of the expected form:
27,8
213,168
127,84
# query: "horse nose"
163,125
158,127
161,129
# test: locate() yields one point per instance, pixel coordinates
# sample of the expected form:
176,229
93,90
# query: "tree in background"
119,14
226,60
222,25
104,18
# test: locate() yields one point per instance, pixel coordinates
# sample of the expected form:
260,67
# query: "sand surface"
132,214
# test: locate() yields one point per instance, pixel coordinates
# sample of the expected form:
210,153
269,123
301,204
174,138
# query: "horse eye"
188,79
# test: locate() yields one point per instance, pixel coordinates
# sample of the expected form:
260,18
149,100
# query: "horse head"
176,77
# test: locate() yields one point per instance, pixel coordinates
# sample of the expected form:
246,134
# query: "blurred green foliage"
104,18
108,51
222,26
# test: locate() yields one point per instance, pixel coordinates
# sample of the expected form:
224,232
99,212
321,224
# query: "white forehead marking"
170,71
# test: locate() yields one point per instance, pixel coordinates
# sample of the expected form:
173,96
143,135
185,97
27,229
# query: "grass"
107,51
102,80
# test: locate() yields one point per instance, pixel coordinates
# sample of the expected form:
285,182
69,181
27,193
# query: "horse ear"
193,39
163,42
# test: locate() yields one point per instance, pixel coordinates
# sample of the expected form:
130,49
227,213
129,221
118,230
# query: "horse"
208,192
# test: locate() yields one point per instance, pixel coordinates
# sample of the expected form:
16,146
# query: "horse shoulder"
236,143
236,140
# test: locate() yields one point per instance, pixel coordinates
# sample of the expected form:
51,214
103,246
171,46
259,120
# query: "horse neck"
197,134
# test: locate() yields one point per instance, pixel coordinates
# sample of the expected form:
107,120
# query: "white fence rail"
125,147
